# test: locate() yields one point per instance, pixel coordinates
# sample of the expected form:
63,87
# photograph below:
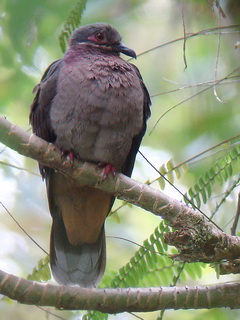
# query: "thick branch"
120,300
196,238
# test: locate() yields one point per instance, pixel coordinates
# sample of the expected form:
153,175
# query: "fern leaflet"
42,272
220,172
73,21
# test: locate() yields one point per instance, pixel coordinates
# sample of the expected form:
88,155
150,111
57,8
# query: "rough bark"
120,300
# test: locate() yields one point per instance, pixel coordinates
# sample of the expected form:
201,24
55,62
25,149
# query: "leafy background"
189,116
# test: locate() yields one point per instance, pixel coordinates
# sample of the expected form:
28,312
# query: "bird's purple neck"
85,51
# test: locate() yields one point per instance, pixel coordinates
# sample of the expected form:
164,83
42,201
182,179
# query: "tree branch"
120,300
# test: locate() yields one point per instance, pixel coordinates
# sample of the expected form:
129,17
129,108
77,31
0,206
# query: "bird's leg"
70,154
108,169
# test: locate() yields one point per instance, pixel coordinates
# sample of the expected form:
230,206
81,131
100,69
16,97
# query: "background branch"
119,300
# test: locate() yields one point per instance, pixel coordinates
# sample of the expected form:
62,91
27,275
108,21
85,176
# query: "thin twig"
216,65
180,192
193,159
136,316
210,31
191,97
137,244
27,234
51,313
184,39
235,223
190,86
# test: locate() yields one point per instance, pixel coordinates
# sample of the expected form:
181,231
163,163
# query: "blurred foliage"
42,272
188,54
73,21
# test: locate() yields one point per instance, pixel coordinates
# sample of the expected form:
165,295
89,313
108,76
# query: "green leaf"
163,169
73,21
170,165
116,217
204,195
212,174
230,170
170,176
161,183
198,269
178,173
194,270
197,200
184,167
197,188
149,259
159,246
95,315
42,272
191,193
234,154
208,185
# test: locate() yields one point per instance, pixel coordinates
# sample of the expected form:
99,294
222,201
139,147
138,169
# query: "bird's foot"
70,154
108,169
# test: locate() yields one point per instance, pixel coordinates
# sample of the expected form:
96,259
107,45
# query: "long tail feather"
83,265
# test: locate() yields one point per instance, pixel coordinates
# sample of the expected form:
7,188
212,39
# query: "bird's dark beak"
120,47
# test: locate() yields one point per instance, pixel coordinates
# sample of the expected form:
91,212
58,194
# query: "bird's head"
102,36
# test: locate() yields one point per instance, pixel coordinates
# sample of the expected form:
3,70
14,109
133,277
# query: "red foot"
108,169
70,154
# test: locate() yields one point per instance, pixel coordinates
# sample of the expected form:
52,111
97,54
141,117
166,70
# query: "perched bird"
93,106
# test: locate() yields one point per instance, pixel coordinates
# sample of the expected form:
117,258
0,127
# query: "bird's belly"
94,142
98,123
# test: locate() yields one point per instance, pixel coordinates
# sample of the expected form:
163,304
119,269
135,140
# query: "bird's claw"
70,154
108,169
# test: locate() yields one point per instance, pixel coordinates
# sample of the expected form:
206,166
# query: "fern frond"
193,270
42,271
138,266
95,315
148,265
183,269
170,171
73,21
220,172
228,191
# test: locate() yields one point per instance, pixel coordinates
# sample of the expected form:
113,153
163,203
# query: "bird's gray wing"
71,262
45,92
130,160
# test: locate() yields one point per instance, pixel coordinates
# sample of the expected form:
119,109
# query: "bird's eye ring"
99,36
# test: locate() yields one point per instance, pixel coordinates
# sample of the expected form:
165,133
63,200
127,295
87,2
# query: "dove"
93,105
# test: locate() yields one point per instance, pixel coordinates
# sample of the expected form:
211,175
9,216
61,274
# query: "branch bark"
196,238
120,300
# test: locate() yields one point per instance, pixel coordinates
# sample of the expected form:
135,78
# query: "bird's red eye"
99,36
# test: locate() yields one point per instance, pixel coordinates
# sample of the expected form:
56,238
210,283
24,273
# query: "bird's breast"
97,110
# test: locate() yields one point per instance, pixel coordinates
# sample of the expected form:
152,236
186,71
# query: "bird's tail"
83,264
